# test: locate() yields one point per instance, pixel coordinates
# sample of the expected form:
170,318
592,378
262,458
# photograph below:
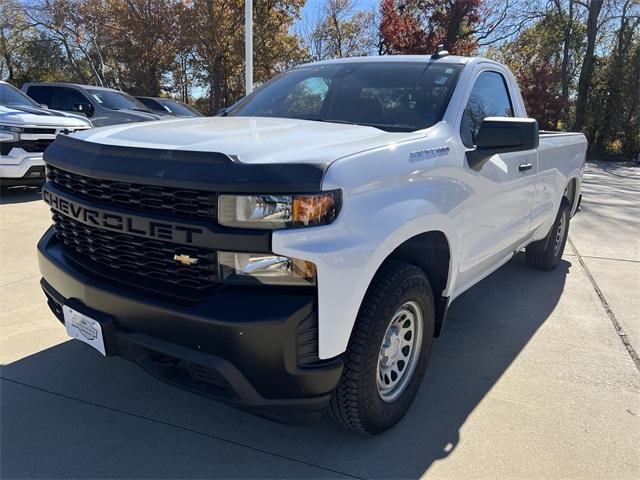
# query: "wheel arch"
572,193
431,252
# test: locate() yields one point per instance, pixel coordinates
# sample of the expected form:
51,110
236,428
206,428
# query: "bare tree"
586,72
337,29
500,21
76,30
629,22
11,28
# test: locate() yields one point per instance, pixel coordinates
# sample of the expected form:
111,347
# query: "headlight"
265,268
9,133
278,211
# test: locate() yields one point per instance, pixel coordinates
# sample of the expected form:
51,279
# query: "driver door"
69,100
497,219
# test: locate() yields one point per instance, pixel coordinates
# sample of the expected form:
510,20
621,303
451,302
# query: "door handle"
525,166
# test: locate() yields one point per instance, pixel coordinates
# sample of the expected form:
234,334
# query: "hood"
250,139
39,117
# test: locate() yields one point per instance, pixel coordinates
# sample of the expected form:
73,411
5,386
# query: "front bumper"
35,176
21,168
253,348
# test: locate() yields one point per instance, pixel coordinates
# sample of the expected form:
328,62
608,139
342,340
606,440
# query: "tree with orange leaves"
419,26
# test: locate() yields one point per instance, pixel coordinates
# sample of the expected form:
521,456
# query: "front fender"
375,219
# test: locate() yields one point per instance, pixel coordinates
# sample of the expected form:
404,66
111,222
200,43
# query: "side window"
489,98
152,104
69,98
147,102
41,94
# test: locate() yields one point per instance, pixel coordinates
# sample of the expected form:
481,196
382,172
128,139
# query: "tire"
547,253
364,401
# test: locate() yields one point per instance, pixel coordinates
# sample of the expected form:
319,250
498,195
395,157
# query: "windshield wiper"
400,127
394,127
326,120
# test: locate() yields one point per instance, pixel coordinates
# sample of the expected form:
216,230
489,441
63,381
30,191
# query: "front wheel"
388,351
547,253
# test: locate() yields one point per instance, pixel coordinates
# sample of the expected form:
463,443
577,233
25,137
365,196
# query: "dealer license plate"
84,328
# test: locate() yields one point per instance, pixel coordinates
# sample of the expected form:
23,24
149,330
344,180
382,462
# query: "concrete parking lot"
536,376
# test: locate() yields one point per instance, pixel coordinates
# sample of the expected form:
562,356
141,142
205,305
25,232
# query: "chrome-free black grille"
141,262
180,202
41,131
27,145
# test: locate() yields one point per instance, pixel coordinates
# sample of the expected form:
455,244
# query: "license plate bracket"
85,328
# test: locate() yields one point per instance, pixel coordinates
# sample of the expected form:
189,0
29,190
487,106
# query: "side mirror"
85,108
44,106
502,135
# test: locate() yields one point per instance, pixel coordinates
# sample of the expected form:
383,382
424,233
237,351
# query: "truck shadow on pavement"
14,195
107,418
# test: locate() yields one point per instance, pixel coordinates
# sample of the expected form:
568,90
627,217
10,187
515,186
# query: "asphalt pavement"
536,376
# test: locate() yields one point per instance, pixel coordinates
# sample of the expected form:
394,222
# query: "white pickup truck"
298,254
26,130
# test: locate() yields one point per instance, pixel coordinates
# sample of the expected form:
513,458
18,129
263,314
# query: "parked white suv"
26,129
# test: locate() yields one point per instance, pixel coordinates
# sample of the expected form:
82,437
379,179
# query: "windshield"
11,96
116,100
392,96
179,108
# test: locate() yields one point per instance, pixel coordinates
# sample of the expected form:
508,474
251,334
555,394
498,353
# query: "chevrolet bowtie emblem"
185,259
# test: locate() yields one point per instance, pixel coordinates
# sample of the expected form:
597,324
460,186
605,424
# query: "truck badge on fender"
428,153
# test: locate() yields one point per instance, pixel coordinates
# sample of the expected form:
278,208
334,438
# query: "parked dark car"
169,106
104,106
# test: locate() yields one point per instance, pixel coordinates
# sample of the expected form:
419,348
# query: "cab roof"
68,84
453,59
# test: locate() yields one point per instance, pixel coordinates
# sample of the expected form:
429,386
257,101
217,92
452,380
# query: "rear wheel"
388,351
547,253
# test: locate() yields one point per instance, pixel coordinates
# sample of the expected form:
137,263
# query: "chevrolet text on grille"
120,223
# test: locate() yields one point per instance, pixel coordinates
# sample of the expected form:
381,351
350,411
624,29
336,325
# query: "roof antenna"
440,52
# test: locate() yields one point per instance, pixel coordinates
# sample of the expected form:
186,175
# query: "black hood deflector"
211,171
